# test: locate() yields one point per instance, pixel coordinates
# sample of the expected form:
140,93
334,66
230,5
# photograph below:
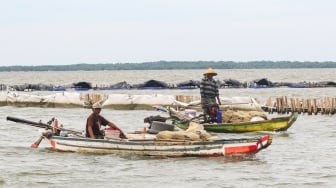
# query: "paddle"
35,124
32,123
41,125
37,142
46,126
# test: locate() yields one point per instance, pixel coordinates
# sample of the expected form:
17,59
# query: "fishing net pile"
231,116
195,132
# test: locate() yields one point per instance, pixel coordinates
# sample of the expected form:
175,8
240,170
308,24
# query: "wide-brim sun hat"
97,105
210,71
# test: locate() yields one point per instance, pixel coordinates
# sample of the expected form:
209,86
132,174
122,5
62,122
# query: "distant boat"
261,83
190,84
152,84
82,86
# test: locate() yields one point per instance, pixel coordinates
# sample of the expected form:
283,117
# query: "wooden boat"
274,124
147,145
161,148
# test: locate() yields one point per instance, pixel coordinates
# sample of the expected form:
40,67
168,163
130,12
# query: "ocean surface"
302,156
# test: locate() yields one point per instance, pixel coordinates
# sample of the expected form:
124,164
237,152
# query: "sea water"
302,156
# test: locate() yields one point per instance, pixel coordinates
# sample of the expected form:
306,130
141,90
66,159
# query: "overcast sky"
61,32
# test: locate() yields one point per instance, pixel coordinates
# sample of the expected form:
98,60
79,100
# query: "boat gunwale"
179,150
160,142
288,120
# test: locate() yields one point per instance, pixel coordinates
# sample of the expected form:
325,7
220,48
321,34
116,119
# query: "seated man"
95,121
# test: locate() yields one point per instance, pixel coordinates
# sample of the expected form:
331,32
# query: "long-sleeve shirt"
208,88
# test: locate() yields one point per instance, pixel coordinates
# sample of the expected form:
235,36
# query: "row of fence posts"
187,99
324,105
91,98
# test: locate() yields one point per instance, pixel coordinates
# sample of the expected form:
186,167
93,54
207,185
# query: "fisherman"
209,92
95,121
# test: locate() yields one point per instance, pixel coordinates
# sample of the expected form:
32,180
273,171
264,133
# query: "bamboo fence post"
269,105
86,99
322,106
273,107
315,106
293,109
328,105
96,97
282,104
325,105
304,105
187,99
277,105
298,105
333,106
285,105
308,107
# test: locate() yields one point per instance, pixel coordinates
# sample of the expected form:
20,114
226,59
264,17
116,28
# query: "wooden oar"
41,125
37,142
32,123
35,124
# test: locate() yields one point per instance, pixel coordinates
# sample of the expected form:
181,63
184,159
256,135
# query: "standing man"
209,91
95,121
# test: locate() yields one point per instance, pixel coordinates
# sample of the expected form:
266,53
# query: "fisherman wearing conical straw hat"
209,91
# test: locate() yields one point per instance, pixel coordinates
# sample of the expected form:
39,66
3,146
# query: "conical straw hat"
210,71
